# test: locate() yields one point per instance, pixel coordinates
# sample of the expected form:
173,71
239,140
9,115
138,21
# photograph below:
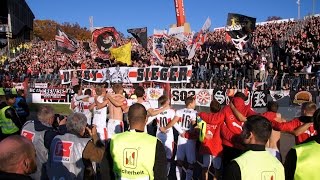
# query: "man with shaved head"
135,154
17,158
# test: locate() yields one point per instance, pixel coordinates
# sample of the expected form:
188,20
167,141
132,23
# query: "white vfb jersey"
164,118
100,115
83,107
186,118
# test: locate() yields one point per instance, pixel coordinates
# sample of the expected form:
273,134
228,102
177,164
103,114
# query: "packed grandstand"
285,55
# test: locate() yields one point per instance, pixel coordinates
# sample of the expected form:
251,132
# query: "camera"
57,119
86,133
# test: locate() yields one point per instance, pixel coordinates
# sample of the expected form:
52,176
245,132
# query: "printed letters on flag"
64,43
239,28
122,53
159,42
141,35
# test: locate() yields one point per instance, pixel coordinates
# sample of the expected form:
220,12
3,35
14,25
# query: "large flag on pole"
159,42
199,39
64,43
141,35
122,53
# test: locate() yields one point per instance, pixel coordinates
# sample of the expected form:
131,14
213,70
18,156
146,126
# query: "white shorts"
186,148
208,159
114,127
168,142
102,133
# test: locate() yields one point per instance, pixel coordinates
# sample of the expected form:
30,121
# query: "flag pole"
298,2
313,6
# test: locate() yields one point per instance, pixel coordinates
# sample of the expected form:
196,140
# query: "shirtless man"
116,104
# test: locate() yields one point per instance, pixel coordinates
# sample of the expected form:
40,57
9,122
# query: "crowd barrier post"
282,79
243,83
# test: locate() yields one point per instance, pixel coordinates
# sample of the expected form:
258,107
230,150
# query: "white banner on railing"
128,75
203,96
61,96
40,85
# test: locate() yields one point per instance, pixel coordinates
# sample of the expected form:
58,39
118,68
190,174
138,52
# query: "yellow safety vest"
203,130
260,165
6,124
308,164
133,155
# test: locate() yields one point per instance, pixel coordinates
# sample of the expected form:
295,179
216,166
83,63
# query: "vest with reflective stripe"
37,138
20,110
133,155
260,165
308,156
6,124
65,157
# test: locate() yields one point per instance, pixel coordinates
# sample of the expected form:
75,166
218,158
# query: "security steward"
41,132
21,106
302,160
256,162
134,154
10,123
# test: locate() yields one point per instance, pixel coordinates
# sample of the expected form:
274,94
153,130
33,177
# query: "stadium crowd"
290,47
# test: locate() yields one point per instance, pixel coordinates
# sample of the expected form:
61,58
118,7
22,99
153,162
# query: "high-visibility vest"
307,161
203,128
260,165
133,155
6,124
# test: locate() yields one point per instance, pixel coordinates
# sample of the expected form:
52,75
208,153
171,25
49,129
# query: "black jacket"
12,176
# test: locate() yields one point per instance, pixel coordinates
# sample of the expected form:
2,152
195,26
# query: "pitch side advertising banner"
62,96
128,75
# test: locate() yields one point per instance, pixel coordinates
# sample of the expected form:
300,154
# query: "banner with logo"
141,35
105,38
64,43
203,96
128,75
257,99
53,94
159,43
239,28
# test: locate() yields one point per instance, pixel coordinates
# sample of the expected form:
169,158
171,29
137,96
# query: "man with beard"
17,158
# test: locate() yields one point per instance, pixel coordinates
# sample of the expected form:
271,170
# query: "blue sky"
159,14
